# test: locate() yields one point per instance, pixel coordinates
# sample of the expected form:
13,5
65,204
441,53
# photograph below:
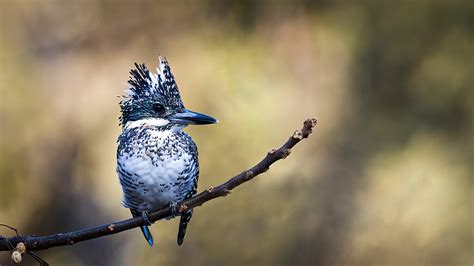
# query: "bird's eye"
158,107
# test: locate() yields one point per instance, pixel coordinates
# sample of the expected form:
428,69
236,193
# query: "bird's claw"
146,217
174,209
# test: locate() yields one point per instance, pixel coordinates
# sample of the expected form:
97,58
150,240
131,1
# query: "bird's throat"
153,121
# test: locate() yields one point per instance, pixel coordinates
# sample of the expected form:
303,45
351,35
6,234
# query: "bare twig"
20,248
33,242
11,228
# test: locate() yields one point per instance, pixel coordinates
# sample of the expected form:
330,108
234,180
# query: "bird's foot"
146,217
174,209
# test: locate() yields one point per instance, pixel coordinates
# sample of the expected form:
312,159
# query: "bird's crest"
145,85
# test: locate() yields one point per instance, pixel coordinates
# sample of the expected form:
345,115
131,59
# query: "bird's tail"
146,232
183,223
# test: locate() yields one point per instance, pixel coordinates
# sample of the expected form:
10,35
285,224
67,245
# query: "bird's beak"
187,117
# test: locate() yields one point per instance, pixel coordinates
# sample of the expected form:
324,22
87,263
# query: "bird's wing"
188,189
130,187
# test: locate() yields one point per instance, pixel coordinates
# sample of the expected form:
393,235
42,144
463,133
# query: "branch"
33,242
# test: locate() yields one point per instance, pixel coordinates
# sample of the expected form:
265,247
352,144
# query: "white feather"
152,121
156,175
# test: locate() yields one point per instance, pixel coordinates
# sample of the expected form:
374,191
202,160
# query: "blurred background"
387,178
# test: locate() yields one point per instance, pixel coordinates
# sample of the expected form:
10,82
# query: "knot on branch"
111,227
312,122
298,134
16,257
225,192
286,153
309,124
20,247
249,174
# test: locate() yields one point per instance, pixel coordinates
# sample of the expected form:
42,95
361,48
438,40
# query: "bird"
157,162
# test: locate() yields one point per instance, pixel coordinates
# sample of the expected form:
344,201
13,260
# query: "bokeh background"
387,179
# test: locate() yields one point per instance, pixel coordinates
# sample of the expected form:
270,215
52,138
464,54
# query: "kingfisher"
157,163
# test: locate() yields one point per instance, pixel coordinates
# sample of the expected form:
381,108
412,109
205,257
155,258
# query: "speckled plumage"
157,162
156,166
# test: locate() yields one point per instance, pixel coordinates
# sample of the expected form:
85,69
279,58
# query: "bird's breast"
156,168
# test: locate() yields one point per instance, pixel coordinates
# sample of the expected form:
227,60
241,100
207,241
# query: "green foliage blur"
387,178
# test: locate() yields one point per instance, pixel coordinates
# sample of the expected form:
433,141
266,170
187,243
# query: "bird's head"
154,99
